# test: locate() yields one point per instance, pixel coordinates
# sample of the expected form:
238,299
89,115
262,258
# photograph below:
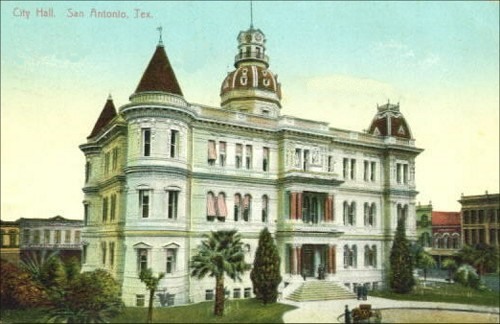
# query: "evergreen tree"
401,266
265,274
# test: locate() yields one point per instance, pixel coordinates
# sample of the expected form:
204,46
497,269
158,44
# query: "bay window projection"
146,142
144,202
174,143
239,156
212,152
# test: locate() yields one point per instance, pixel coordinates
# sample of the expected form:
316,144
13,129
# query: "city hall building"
160,172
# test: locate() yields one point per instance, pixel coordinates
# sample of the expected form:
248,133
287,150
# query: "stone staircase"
320,290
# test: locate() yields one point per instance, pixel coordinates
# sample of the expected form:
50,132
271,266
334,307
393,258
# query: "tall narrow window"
144,202
237,207
46,236
373,170
67,236
366,212
111,254
84,253
58,236
405,173
305,165
373,212
105,209
146,141
174,143
26,236
211,206
305,209
106,162
239,156
352,214
115,158
398,172
298,158
265,206
222,153
265,159
103,252
173,198
248,157
346,212
112,213
330,163
86,214
353,169
88,168
77,237
36,236
365,170
345,167
171,258
221,207
142,259
212,152
314,210
247,206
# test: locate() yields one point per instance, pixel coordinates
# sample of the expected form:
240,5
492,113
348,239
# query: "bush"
467,276
365,314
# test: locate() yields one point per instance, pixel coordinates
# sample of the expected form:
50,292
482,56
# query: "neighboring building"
161,172
480,219
424,225
446,234
45,235
9,241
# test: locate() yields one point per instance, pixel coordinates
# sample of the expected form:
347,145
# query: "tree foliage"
425,261
401,265
151,282
265,273
220,253
482,256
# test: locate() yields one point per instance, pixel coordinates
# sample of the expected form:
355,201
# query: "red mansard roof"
159,75
445,218
107,114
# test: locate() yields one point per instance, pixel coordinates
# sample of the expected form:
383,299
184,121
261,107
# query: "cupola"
251,87
389,121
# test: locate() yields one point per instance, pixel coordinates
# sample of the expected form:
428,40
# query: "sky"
335,60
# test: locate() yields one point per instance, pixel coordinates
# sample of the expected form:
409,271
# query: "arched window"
456,241
346,256
352,214
221,207
374,256
373,213
211,206
265,208
366,213
367,255
237,207
247,207
354,256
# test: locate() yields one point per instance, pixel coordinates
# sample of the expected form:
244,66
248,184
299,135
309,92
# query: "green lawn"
236,311
445,292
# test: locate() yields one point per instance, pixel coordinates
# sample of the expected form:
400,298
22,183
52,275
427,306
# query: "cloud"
404,56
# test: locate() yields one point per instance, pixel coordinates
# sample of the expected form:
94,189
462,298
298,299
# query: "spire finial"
160,29
251,14
109,96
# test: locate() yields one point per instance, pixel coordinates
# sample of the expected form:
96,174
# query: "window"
171,260
298,158
237,207
46,236
209,294
115,158
140,300
26,236
84,253
111,254
248,292
222,153
373,213
174,143
216,207
398,172
112,214
105,209
306,208
265,206
212,153
366,170
353,169
142,259
106,162
370,256
77,237
237,293
67,236
345,167
58,236
247,206
88,168
36,237
265,159
373,170
146,142
248,157
85,214
221,207
239,156
305,165
350,256
144,201
173,198
103,252
330,164
405,173
211,207
351,217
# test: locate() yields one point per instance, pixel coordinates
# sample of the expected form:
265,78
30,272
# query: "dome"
251,77
389,121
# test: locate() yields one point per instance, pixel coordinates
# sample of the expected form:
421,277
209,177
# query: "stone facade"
480,216
161,172
9,241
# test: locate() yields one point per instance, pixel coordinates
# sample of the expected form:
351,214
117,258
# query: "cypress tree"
401,267
265,273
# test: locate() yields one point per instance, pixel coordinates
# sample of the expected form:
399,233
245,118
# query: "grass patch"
445,292
235,311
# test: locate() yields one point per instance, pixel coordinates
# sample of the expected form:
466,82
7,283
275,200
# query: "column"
293,260
293,205
299,259
330,259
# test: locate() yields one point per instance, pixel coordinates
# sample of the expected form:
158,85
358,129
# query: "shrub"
467,276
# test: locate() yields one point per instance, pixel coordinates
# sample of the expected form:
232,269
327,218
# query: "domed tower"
252,87
389,121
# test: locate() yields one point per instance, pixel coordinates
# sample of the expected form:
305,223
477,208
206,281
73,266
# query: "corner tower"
389,121
251,87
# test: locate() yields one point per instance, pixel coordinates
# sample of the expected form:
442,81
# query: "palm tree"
220,253
151,282
481,256
450,265
425,261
